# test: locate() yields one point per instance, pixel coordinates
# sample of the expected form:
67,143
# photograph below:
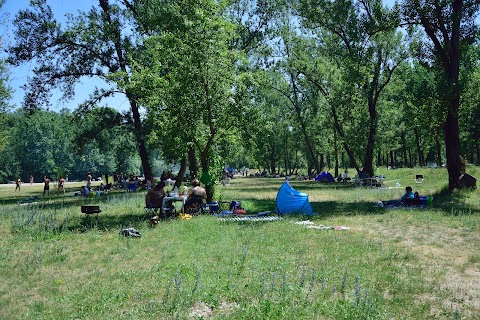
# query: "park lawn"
391,264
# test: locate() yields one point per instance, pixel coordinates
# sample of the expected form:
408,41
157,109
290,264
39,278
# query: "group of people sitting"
88,190
194,197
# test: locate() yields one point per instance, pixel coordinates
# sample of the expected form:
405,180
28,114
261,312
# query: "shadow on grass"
444,201
59,214
454,203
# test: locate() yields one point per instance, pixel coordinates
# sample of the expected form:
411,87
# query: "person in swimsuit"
61,184
46,187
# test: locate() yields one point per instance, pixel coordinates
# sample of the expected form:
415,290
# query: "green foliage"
189,83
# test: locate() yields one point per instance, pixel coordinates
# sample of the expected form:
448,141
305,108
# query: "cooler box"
213,207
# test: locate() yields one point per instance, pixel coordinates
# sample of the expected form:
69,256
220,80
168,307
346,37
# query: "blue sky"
18,76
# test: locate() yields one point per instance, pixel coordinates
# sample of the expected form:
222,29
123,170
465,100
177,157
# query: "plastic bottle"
175,192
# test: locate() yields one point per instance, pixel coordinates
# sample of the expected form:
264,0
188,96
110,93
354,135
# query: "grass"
391,264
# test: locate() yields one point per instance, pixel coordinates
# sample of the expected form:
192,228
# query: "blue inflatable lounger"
290,201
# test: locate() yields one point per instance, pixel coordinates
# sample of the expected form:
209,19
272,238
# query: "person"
18,182
31,180
89,180
163,176
408,196
84,191
195,195
46,187
154,197
61,184
345,176
149,183
406,200
132,184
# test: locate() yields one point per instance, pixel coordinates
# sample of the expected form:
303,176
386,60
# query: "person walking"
61,184
89,180
18,182
46,186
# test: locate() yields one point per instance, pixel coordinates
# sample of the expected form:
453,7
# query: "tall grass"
391,264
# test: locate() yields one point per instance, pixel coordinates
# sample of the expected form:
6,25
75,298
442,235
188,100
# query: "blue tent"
324,177
290,200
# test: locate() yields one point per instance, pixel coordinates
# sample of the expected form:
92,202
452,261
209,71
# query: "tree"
109,134
42,143
451,29
190,81
93,45
359,38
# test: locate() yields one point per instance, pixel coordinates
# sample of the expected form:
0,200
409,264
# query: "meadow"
390,264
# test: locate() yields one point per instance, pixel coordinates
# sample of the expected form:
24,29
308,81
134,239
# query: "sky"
19,75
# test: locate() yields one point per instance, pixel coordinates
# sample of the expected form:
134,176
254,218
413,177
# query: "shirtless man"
61,184
18,182
46,187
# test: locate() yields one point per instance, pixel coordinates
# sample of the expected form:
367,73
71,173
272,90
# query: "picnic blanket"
227,215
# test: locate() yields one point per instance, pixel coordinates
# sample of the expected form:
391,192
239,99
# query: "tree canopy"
284,86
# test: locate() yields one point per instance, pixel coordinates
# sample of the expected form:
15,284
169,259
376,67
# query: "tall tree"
450,26
191,80
92,45
359,36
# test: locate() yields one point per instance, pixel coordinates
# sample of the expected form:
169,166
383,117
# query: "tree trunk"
368,163
204,162
379,157
335,152
404,149
192,160
137,124
272,159
181,172
478,153
421,159
448,50
438,147
452,145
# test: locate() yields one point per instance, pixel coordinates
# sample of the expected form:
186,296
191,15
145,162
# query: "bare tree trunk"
192,160
181,172
438,147
421,158
335,152
272,159
137,124
478,153
404,149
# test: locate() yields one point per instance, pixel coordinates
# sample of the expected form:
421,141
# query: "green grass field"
391,264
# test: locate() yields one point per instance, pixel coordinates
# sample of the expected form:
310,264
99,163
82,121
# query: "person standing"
61,184
89,180
31,180
18,182
46,187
